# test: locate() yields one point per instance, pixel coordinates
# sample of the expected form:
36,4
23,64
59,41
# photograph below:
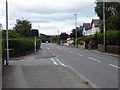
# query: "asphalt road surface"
100,70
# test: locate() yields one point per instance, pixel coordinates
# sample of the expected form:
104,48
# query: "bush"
81,42
11,34
113,37
100,38
20,46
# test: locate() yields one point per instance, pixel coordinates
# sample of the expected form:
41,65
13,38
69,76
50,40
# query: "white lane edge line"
54,61
113,65
61,62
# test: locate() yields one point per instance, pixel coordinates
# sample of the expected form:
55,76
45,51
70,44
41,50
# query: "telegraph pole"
104,26
7,59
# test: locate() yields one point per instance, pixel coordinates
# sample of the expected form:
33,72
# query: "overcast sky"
51,15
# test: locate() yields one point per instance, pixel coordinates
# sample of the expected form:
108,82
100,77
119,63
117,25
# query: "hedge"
20,46
112,38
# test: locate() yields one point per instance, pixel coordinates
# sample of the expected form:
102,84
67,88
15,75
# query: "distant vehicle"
46,42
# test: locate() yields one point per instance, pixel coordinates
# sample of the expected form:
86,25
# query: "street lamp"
75,29
7,59
39,38
104,26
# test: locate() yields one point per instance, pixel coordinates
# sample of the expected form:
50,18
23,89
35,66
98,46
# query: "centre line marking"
79,55
113,65
54,61
94,59
71,52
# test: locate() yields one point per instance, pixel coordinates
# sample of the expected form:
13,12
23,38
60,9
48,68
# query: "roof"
86,25
96,22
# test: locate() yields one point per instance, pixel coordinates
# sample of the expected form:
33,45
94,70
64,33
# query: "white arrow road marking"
54,61
61,62
113,65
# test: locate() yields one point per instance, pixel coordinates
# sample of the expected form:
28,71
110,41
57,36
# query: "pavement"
42,70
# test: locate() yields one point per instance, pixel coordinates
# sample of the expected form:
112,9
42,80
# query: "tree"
72,35
112,12
23,27
111,8
64,36
54,39
11,34
79,33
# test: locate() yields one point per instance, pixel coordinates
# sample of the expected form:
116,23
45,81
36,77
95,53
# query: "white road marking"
70,51
61,62
113,65
54,61
94,59
79,55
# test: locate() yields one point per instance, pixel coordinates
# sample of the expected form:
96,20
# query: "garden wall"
109,48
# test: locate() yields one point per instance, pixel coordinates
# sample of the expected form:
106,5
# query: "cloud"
51,15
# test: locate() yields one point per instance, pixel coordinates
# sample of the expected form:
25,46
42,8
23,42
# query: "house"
95,26
86,29
91,28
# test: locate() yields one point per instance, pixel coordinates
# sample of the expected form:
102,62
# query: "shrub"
113,37
100,38
20,46
81,42
11,34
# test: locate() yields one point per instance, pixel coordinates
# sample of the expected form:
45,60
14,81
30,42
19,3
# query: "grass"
86,82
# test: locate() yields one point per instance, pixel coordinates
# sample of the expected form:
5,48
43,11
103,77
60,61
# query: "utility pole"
7,59
75,30
104,26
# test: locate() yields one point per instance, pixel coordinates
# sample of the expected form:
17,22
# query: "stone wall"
109,48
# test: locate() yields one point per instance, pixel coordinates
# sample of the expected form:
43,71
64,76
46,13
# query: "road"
100,70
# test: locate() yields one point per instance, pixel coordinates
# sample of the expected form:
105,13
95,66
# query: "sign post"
34,33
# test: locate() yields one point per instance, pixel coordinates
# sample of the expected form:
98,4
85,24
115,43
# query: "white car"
46,42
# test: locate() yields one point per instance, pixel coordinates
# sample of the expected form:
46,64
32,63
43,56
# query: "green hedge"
20,47
112,38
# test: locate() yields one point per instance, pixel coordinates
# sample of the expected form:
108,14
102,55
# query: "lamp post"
39,38
104,26
58,38
75,29
7,59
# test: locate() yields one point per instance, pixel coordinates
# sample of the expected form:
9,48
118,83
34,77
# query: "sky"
49,16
